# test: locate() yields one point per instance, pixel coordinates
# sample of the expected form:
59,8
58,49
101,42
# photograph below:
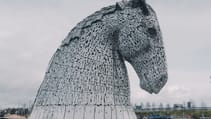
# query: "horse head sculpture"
87,76
141,44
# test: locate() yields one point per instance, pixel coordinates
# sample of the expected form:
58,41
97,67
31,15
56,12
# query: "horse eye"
152,32
147,49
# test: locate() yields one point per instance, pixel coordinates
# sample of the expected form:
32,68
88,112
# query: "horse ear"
140,3
120,5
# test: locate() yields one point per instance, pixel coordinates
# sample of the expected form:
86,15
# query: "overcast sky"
31,30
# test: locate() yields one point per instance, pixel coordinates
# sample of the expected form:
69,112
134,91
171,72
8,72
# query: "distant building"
178,106
138,107
189,105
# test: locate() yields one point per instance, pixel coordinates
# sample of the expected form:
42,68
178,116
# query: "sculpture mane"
87,22
98,16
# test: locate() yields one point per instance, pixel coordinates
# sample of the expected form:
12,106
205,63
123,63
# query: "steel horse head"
140,43
87,76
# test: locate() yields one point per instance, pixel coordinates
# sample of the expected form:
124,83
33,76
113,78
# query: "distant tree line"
185,105
167,111
18,111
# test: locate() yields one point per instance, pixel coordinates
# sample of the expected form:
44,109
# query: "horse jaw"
151,80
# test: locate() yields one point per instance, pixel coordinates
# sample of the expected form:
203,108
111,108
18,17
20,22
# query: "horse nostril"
152,31
163,78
